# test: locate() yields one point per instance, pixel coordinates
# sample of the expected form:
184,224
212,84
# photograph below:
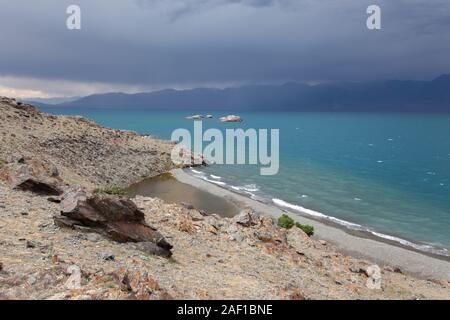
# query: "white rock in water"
195,117
231,118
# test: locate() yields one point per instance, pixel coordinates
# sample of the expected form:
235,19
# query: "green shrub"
309,230
114,190
285,222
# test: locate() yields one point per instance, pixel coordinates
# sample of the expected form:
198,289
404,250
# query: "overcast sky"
144,45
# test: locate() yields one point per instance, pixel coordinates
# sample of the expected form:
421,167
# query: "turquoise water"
389,173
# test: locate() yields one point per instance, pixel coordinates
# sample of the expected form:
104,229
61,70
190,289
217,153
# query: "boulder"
19,105
357,269
247,218
119,218
26,107
212,221
188,158
374,277
39,186
298,239
196,215
187,205
264,236
31,174
235,234
153,249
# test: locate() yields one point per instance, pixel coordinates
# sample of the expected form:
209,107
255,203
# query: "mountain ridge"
388,96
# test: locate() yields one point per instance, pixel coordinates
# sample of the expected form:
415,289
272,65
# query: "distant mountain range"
386,96
52,101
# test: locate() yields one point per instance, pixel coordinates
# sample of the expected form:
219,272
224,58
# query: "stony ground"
213,257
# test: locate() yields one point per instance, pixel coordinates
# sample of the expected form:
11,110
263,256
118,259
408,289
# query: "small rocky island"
62,208
231,118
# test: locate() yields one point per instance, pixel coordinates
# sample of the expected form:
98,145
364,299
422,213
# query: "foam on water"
420,247
215,182
247,188
313,213
250,188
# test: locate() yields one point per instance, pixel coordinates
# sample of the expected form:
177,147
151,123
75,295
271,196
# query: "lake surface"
387,173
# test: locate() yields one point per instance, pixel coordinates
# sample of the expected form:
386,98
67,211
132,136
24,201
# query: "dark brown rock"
31,174
153,249
118,217
39,186
125,284
54,199
30,244
398,270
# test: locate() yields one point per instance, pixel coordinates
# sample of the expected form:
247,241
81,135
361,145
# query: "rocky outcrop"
31,174
247,218
85,153
188,158
19,105
298,239
117,217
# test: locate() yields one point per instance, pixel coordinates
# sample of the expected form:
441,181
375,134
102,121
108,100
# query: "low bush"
287,222
309,230
114,190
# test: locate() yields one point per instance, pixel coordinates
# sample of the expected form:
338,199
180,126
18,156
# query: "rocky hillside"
59,240
84,153
212,258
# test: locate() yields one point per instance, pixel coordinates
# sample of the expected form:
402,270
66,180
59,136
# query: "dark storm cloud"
162,43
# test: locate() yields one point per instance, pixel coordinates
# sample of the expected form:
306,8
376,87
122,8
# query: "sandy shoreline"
383,253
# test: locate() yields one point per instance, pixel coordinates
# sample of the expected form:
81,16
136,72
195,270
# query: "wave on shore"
313,213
